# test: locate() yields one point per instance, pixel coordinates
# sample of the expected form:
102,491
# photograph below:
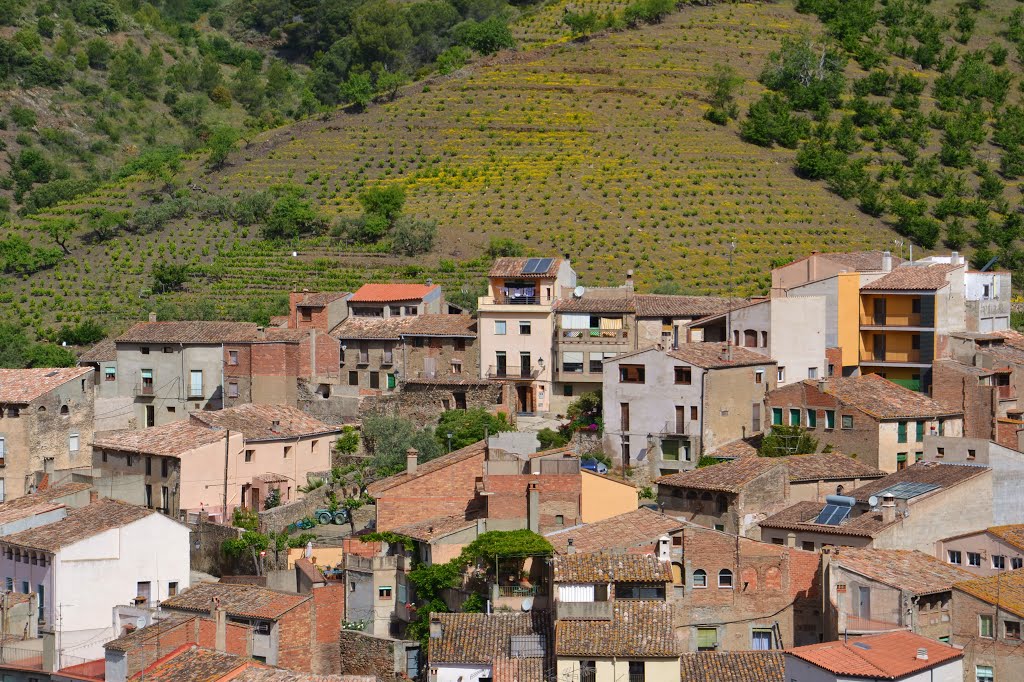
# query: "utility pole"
227,446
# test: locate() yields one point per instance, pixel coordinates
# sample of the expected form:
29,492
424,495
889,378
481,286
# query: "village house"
123,553
902,656
1007,467
986,552
42,507
46,425
988,614
881,423
516,325
191,662
475,647
320,310
397,300
664,409
734,495
612,619
878,590
733,666
789,331
911,509
110,408
294,631
380,595
637,531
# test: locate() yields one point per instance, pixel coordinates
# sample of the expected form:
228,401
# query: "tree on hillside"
15,347
169,276
809,74
502,247
383,200
221,142
722,84
469,426
580,24
60,230
410,237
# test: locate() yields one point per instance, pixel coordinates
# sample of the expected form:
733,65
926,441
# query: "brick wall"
559,495
296,633
201,631
329,606
446,492
955,386
1005,657
834,357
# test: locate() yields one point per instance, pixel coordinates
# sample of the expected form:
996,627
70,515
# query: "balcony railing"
892,356
513,372
1005,393
593,335
911,320
508,298
678,427
521,590
145,389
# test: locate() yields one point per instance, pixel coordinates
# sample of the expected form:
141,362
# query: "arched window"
691,495
723,504
750,338
839,489
735,337
700,578
64,410
725,578
42,408
706,497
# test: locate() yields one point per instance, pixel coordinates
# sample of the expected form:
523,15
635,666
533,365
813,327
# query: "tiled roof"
194,664
828,466
276,335
903,569
513,267
78,525
280,321
441,325
104,351
130,640
171,439
388,293
637,629
887,656
242,601
913,278
741,447
482,637
189,332
1005,588
261,674
616,300
663,305
883,399
20,386
38,502
519,670
934,473
611,568
257,422
632,529
1012,535
319,299
801,516
718,355
730,476
454,457
434,528
306,567
733,666
392,328
861,261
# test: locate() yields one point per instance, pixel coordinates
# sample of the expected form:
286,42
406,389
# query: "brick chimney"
94,497
412,457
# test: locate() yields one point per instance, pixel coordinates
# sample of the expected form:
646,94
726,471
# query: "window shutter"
707,637
575,321
572,356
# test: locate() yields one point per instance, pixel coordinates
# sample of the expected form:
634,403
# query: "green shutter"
707,638
812,419
901,457
901,432
830,419
777,416
794,417
920,432
391,381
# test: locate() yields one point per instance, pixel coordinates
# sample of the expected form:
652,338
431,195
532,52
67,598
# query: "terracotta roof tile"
38,502
1006,588
741,447
728,477
199,332
882,398
861,261
913,278
718,355
319,299
611,568
801,516
388,293
733,666
280,321
1012,535
241,601
519,670
484,638
392,328
934,473
828,466
132,639
903,569
194,664
604,300
22,386
513,267
476,449
260,674
637,629
312,573
663,305
171,439
78,525
887,656
632,529
104,351
434,528
265,422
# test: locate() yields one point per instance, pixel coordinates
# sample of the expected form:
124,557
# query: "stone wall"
279,518
207,557
423,403
363,654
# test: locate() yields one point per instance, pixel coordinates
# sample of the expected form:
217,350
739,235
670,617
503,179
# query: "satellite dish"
527,603
873,501
578,292
140,622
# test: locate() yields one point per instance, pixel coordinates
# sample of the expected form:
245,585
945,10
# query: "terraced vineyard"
597,150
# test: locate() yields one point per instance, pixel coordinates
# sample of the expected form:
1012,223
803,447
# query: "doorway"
524,394
150,415
878,349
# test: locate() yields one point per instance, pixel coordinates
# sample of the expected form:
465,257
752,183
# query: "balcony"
593,336
507,299
908,320
513,372
678,427
143,390
901,357
521,590
1005,393
583,610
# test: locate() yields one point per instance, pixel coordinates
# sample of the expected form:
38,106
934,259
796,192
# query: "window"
722,504
998,561
165,466
693,413
13,412
1011,629
983,673
456,366
940,452
831,370
725,578
847,421
412,310
1016,563
901,461
232,357
812,419
807,546
24,587
776,416
559,520
195,389
953,556
524,327
73,441
149,466
149,496
758,376
794,417
353,378
974,559
109,374
971,454
624,416
781,375
572,362
288,451
172,588
707,639
567,390
232,389
144,350
374,379
417,342
631,374
683,375
986,291
919,435
635,591
249,455
636,671
901,432
761,639
499,327
830,419
147,381
384,592
985,626
812,372
10,584
700,578
670,450
588,671
460,344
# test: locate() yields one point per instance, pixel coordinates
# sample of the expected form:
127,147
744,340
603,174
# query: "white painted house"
106,554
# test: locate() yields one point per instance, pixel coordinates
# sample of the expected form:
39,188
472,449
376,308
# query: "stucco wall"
170,379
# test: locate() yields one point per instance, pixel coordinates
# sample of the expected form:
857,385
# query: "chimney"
152,316
412,457
664,544
922,654
436,629
533,507
94,497
220,621
888,508
629,279
954,258
886,261
572,547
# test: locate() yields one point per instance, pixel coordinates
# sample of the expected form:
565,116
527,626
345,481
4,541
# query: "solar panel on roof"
863,645
531,266
832,515
545,263
526,646
905,491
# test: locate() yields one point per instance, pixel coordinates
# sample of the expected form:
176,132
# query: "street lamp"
449,434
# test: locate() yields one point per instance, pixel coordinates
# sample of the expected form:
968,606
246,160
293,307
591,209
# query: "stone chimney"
436,629
888,508
152,316
533,507
571,549
94,497
220,621
886,261
412,458
629,279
